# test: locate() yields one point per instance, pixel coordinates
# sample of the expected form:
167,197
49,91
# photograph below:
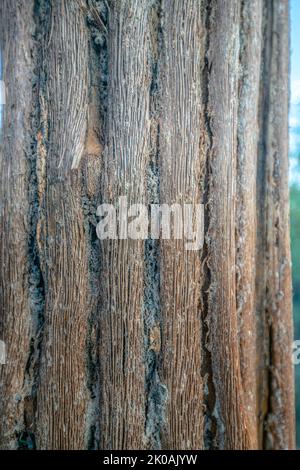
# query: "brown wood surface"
142,344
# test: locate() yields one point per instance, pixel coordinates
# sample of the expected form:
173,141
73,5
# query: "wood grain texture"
276,381
62,390
247,135
16,26
179,159
124,162
229,412
143,344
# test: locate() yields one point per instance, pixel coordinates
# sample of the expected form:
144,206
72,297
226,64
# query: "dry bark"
179,169
16,322
62,393
275,330
125,156
132,344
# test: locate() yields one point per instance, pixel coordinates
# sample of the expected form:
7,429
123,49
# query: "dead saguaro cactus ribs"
121,343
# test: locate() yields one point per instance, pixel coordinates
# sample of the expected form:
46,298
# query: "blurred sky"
295,93
295,41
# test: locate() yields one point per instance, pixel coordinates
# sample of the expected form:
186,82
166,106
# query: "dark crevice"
267,441
262,197
210,424
93,361
156,392
37,288
99,9
98,25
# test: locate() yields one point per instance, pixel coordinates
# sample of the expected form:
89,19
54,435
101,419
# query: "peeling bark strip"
121,350
232,432
274,309
247,134
62,390
16,23
123,344
179,158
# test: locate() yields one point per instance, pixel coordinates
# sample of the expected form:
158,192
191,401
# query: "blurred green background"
295,234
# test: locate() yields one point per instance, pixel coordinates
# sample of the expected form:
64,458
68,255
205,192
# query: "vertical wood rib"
223,324
16,25
274,276
247,134
179,157
62,393
121,322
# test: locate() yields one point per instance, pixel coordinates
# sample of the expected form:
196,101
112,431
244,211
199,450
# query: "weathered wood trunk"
142,344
